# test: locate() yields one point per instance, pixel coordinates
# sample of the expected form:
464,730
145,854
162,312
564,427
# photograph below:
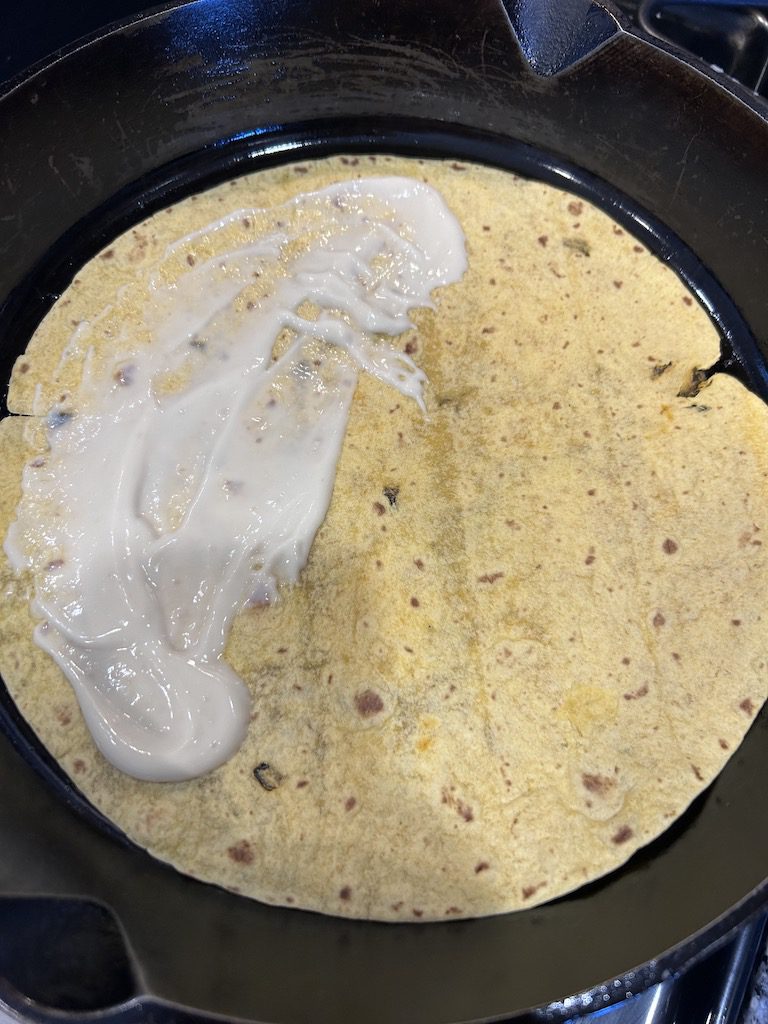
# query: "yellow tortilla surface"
553,631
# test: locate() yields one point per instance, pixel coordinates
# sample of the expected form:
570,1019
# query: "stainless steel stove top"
716,990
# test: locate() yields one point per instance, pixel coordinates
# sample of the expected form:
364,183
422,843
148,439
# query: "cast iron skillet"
97,138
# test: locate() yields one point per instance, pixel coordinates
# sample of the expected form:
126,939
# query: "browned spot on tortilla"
747,706
697,772
625,661
659,369
724,744
267,776
378,508
63,716
462,809
23,367
241,853
669,547
617,284
417,913
579,247
123,375
658,620
575,208
483,865
418,563
735,622
600,784
490,577
624,833
107,254
452,910
368,703
78,765
543,239
414,602
302,783
410,347
345,893
190,259
696,382
687,300
349,803
637,694
424,743
397,906
589,560
530,890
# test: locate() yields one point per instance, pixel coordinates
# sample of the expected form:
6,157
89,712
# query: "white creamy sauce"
160,511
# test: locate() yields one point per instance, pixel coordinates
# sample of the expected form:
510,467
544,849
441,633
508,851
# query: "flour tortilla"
534,613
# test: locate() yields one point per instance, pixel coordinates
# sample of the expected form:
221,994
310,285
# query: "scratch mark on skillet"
684,164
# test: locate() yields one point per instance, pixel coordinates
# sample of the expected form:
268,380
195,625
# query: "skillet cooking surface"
151,116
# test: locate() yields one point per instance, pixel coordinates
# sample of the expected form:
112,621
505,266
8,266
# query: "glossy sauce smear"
192,473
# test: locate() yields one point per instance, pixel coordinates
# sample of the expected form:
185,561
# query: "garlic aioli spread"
191,474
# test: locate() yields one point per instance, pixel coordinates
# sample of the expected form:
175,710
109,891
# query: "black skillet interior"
155,109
